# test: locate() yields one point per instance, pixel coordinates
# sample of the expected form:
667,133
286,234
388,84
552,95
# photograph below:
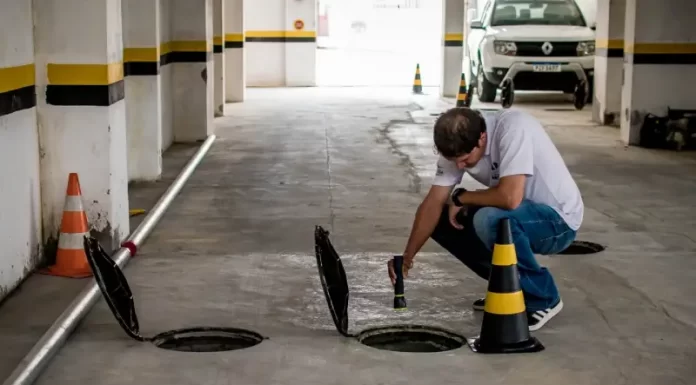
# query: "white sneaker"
539,318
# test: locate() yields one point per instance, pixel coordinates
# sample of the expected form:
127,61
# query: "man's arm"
516,164
427,218
507,195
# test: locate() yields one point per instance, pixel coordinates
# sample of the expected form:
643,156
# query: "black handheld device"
399,298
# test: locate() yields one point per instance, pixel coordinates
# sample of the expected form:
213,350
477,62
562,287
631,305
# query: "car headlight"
586,48
507,48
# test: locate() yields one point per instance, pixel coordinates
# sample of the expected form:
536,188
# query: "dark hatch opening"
582,247
411,339
205,340
118,296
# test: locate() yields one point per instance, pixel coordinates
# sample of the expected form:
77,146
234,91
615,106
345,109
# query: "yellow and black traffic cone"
417,86
505,328
463,94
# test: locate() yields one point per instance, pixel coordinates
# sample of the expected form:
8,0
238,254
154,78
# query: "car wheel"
485,90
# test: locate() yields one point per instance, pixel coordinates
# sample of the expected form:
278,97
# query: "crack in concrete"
332,215
593,304
675,319
642,295
414,179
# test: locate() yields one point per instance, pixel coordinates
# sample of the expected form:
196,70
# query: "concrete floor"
236,249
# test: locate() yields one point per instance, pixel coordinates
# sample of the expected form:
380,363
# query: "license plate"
546,67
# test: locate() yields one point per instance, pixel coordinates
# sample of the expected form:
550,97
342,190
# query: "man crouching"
528,182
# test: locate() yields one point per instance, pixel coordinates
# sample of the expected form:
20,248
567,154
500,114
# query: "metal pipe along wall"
40,355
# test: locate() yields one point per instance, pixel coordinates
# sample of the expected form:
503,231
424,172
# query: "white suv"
536,45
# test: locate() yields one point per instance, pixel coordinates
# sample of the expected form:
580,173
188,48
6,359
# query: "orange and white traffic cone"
71,259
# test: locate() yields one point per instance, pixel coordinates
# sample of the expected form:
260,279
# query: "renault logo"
546,48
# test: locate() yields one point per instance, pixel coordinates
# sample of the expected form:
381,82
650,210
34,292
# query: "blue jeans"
536,228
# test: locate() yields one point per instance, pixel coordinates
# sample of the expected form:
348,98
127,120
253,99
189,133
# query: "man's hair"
458,131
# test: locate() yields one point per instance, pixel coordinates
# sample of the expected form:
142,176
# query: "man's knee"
486,222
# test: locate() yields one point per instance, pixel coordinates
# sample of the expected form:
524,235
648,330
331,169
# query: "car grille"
565,48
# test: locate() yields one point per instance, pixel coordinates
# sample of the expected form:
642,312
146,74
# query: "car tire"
485,90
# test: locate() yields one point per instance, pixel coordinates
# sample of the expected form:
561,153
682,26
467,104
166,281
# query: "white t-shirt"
518,144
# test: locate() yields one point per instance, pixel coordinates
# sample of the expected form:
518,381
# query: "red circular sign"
299,24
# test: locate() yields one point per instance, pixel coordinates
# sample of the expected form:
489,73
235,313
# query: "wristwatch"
455,196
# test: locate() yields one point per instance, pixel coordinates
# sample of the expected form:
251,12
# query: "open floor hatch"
401,338
118,296
582,247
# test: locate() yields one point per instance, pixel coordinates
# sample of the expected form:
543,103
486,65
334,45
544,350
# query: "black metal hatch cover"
333,279
114,286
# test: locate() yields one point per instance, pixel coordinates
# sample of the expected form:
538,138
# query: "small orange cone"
71,259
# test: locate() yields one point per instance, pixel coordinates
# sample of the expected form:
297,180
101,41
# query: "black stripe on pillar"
91,95
17,100
135,68
609,52
664,59
186,57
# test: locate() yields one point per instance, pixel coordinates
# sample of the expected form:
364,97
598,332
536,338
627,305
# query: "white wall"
279,63
387,51
20,207
265,61
301,57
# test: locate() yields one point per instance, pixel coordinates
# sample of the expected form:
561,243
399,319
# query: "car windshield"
537,12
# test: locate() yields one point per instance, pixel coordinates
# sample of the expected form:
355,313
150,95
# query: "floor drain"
119,298
396,338
411,339
202,340
582,247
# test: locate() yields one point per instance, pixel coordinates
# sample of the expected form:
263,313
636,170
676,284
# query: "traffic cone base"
531,345
505,328
71,259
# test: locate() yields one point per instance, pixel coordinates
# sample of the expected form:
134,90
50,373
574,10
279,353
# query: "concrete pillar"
167,97
453,21
301,43
659,70
280,43
141,57
235,74
606,107
191,57
219,53
20,211
82,113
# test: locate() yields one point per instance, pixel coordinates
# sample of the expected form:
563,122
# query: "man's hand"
427,218
408,264
453,211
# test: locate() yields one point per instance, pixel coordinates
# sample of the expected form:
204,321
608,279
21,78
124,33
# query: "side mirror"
476,25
